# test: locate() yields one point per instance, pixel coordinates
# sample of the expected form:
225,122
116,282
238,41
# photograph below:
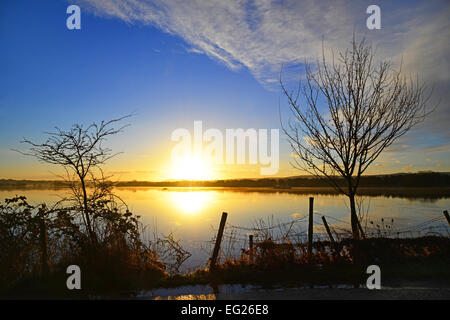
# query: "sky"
171,63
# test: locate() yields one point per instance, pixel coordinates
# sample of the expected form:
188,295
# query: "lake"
193,215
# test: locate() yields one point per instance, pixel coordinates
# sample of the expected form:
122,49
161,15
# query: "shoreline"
375,191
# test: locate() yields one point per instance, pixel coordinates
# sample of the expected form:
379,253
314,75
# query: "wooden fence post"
330,235
310,226
447,216
250,245
218,241
328,230
43,245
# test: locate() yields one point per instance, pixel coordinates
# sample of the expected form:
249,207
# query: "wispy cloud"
262,35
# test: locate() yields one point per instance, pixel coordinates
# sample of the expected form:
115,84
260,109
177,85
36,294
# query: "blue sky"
174,62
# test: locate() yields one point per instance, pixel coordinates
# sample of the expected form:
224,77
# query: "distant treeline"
32,184
415,180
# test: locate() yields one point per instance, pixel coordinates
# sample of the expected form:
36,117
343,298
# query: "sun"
191,168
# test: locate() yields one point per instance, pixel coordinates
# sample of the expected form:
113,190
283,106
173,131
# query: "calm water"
193,215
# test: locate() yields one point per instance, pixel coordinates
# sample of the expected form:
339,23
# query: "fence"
311,228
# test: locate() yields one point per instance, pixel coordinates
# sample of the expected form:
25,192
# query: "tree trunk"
354,217
86,212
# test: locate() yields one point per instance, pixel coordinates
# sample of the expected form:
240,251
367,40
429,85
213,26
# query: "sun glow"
191,168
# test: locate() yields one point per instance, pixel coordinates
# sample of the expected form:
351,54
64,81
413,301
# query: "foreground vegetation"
424,258
121,263
38,243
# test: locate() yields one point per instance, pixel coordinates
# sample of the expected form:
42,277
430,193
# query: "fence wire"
235,238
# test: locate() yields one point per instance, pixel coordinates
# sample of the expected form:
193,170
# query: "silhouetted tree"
80,152
366,107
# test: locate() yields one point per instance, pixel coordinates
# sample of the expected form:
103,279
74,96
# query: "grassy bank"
37,244
424,258
400,260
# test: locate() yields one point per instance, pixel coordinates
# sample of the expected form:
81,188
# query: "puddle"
206,292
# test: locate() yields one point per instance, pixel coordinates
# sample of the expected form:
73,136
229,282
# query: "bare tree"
354,109
80,152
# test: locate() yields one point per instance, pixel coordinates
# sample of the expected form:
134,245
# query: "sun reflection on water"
191,202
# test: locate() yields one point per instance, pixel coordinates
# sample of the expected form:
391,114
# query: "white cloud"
262,35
